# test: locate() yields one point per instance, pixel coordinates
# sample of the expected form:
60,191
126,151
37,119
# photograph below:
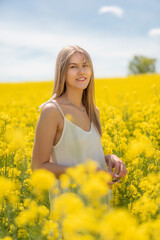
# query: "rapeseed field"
130,119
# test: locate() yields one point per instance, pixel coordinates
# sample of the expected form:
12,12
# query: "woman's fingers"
120,169
115,173
123,170
110,166
117,167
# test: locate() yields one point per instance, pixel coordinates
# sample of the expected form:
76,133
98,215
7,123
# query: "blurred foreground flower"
7,191
43,181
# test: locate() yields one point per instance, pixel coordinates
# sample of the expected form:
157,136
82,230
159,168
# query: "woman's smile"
82,79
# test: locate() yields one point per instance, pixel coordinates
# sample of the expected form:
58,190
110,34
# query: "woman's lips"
81,79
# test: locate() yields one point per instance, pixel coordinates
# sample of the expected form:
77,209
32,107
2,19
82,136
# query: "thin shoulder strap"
59,108
50,100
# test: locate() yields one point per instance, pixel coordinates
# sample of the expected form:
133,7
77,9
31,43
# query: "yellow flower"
6,238
22,233
77,173
42,211
96,186
69,117
64,204
16,137
85,221
119,225
64,181
50,227
137,147
7,186
42,180
145,208
31,214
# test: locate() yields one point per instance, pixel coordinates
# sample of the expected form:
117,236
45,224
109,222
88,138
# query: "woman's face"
79,72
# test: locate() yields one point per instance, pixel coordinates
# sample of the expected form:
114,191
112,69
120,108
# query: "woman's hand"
114,162
114,175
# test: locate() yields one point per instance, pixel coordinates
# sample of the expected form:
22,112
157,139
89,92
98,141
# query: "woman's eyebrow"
77,63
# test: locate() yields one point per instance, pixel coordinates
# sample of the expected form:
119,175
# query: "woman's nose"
81,69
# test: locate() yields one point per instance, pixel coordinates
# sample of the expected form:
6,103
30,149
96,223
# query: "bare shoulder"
50,109
50,113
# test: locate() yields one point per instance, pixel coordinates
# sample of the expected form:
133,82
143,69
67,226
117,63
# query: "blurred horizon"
142,75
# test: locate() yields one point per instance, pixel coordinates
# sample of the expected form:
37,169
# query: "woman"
60,142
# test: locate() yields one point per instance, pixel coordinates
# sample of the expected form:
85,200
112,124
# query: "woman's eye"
85,65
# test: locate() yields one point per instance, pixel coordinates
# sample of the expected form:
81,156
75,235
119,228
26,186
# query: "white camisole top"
76,145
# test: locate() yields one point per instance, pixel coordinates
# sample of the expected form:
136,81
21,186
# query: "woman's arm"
55,168
44,137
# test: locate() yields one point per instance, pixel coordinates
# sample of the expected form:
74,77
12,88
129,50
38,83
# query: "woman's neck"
75,97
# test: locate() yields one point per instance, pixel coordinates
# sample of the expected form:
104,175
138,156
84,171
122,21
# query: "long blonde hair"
88,96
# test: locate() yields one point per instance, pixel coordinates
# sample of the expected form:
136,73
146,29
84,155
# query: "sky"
33,32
